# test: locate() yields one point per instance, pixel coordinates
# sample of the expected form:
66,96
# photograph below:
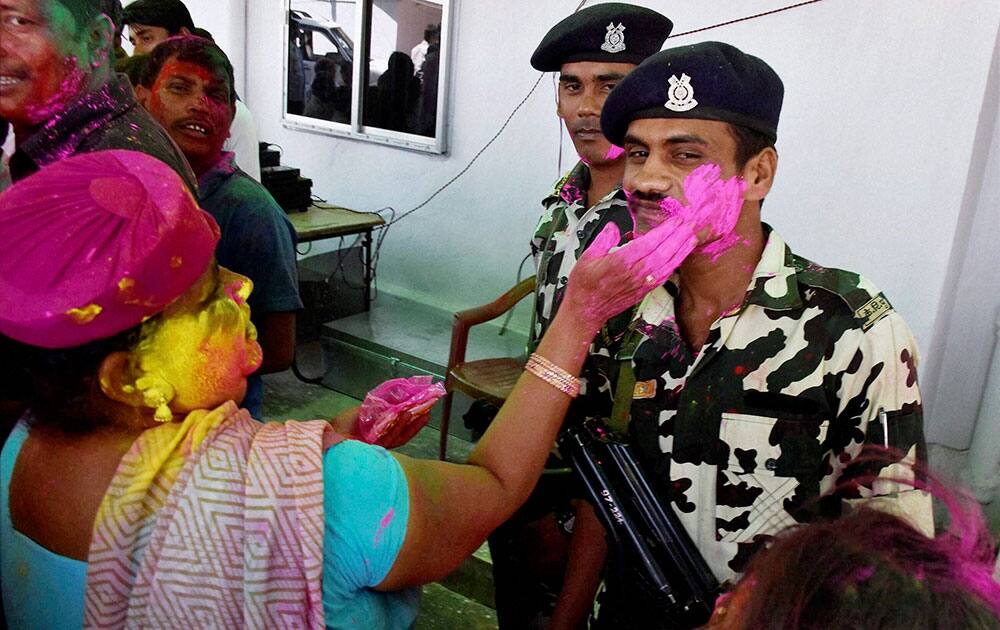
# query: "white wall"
970,302
877,140
226,21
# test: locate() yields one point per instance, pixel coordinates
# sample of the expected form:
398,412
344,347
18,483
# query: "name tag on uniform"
644,389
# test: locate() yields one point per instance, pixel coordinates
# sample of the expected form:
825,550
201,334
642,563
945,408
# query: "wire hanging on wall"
393,219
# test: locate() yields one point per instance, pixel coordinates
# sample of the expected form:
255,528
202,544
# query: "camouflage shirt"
743,436
565,229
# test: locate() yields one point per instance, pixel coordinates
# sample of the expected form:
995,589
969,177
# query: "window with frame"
372,70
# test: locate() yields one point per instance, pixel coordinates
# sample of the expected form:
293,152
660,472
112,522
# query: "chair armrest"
464,320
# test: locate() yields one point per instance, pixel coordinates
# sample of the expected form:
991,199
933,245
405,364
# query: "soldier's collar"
773,284
573,185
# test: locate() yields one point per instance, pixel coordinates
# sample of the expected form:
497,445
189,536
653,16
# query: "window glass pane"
402,69
320,58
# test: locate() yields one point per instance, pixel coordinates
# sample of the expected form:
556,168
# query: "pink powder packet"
396,400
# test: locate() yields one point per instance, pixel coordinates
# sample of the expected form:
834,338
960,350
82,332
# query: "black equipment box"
269,156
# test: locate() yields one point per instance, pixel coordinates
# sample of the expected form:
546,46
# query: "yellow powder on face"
126,284
84,315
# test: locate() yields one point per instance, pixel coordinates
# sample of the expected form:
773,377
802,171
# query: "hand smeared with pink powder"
396,410
711,210
608,279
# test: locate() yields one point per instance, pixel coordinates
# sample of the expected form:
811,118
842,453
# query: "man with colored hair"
187,86
59,93
757,377
152,21
592,50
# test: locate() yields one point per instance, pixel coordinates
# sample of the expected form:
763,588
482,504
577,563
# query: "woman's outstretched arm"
453,507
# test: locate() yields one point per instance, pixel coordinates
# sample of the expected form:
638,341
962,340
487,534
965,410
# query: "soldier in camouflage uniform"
591,50
759,376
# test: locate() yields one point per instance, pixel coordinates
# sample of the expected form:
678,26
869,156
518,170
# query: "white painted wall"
226,21
877,143
970,301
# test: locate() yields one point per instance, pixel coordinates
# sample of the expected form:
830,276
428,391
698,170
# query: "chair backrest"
464,320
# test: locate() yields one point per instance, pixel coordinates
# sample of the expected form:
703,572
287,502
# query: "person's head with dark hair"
187,86
152,21
871,569
84,11
399,66
432,34
53,50
200,32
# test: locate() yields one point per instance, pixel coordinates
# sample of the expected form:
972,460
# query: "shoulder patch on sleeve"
872,311
867,303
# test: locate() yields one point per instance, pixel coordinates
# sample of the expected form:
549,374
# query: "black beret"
709,81
611,32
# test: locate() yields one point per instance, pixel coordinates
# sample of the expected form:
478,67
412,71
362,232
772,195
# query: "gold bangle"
553,375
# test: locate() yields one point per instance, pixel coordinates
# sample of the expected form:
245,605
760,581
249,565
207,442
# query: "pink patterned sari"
213,522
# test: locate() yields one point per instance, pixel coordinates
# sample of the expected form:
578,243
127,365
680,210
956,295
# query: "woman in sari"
135,493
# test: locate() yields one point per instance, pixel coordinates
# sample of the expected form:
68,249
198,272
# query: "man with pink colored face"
591,50
753,378
58,90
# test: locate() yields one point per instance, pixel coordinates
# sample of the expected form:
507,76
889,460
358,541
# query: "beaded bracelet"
553,375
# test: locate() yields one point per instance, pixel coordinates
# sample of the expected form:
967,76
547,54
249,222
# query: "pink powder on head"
384,523
614,152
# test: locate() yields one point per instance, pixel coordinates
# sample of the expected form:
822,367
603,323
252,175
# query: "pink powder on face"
71,85
614,152
384,523
718,247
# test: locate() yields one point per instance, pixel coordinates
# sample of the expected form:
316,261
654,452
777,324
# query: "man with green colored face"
59,93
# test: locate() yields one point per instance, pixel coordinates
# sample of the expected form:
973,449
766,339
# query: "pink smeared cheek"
720,246
614,152
47,102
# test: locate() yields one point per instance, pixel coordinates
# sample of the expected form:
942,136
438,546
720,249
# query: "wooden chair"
489,379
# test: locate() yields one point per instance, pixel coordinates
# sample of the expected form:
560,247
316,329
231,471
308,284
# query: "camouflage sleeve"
880,406
543,231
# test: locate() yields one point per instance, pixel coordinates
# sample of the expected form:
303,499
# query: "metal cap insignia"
680,94
614,39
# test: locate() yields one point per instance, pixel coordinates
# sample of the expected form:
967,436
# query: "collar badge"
614,39
680,94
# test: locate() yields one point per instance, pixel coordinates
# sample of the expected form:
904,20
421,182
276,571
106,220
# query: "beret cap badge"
680,94
614,39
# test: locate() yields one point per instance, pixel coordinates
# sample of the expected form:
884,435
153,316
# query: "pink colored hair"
872,569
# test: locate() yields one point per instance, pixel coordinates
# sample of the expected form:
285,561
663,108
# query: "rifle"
665,573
